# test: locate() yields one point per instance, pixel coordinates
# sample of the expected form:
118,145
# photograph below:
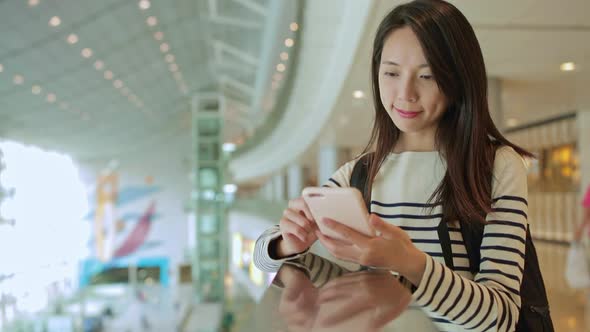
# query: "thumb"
381,226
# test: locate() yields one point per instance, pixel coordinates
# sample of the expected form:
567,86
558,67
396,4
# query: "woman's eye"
392,74
426,77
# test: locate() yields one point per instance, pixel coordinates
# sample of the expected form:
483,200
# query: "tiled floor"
568,306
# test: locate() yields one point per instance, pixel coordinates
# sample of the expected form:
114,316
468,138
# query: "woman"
437,154
585,225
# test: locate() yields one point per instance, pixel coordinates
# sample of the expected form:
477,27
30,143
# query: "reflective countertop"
315,294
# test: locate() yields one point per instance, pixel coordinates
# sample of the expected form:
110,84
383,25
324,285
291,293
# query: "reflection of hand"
298,303
392,250
353,294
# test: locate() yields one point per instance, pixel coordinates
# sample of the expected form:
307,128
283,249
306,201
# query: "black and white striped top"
455,299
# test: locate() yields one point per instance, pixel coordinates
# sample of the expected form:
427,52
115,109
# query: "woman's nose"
407,91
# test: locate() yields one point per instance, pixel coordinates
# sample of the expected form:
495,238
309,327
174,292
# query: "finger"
339,249
352,279
300,206
297,218
332,294
348,233
290,228
387,230
291,293
332,241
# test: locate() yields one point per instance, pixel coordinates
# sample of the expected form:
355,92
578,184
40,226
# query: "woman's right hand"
297,229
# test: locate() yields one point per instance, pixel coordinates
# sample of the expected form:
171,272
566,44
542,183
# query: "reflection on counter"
314,294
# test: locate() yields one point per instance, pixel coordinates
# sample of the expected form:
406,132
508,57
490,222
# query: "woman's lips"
406,114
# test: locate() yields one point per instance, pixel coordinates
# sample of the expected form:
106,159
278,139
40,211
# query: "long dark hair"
466,137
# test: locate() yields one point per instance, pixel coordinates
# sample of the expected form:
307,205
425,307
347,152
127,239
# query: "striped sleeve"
491,301
320,270
263,258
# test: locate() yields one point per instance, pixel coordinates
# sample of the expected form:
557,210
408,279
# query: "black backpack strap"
358,178
472,233
445,243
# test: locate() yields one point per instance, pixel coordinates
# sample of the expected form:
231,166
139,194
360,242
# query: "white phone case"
344,205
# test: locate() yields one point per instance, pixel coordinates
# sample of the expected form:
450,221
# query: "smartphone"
345,205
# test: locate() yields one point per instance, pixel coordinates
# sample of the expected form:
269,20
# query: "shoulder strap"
358,178
445,242
472,233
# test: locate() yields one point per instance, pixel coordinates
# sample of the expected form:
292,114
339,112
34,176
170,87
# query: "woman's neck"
415,142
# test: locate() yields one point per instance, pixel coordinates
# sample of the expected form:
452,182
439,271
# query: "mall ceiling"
100,79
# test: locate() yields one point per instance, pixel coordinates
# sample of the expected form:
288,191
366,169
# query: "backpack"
534,312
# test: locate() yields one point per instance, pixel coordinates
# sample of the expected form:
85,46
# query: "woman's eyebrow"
387,62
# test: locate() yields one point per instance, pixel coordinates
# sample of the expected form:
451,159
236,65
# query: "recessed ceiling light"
18,79
36,89
284,56
170,58
118,84
280,67
55,21
144,4
51,98
289,42
294,26
173,67
152,21
228,147
164,47
108,75
512,122
87,53
72,38
33,3
99,65
158,35
230,188
358,94
567,66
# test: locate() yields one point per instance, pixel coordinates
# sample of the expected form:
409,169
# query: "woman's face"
408,90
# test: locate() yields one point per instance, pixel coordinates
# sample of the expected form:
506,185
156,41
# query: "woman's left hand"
392,249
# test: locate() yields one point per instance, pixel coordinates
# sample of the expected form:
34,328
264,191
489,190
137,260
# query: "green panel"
209,248
209,127
209,150
208,178
208,224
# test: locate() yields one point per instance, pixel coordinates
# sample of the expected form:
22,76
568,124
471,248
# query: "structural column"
495,102
294,181
278,182
209,257
327,163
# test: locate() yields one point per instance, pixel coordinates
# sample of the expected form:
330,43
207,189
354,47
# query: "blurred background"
145,145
